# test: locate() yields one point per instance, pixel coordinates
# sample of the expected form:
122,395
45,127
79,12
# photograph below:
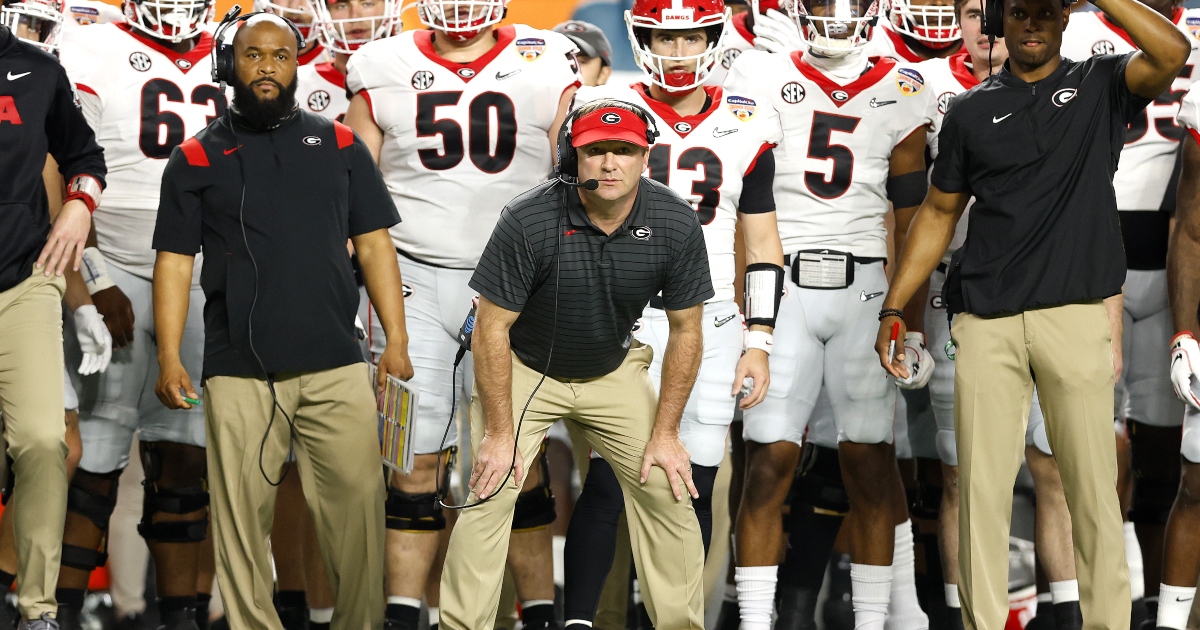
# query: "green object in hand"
191,401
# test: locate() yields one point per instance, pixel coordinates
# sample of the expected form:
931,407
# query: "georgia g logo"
641,233
610,118
1063,96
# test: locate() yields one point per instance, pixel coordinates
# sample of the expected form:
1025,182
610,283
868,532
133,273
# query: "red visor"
609,123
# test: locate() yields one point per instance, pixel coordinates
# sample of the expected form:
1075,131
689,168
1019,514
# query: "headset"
992,19
224,69
567,174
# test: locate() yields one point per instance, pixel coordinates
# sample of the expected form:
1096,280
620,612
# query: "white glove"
918,360
1185,368
776,33
94,340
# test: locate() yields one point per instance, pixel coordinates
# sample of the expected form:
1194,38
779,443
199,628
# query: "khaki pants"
1067,350
31,398
615,413
337,457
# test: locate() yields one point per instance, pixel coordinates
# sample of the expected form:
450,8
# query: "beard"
260,113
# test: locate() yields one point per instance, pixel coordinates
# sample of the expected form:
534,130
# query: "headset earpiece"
993,18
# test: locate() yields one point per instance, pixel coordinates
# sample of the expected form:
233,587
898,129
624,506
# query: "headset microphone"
590,184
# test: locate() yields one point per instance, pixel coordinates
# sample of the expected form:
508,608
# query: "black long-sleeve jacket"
37,116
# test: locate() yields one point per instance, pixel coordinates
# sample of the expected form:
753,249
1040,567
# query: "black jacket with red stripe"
37,116
292,195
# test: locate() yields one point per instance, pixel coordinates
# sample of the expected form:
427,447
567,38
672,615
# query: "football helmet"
679,15
347,34
38,22
300,13
834,28
934,25
169,20
461,20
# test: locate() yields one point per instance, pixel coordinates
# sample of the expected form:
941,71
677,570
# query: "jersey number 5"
163,131
693,159
821,147
479,114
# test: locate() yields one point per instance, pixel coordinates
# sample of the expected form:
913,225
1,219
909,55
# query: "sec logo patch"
139,61
318,101
1103,47
792,93
422,80
943,102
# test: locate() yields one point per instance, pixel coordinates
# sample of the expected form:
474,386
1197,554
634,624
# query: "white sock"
404,601
1133,557
435,615
1174,605
320,615
559,545
1064,591
756,595
871,590
952,596
904,609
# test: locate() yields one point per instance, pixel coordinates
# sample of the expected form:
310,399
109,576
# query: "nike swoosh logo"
500,76
718,322
1183,599
996,120
228,151
14,77
877,103
867,297
721,133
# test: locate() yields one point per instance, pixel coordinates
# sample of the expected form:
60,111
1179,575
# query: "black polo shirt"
1039,159
606,280
310,184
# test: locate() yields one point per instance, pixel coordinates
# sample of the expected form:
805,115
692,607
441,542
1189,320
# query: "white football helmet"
679,15
169,20
38,22
348,34
461,20
934,25
835,28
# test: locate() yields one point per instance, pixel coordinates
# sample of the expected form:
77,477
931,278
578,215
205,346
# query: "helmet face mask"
835,28
461,20
934,25
169,20
347,34
677,15
299,12
38,22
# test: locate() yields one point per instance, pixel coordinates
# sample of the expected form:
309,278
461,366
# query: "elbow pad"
764,290
905,191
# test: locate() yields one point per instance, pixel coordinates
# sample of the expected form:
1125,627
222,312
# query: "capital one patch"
741,107
531,48
909,81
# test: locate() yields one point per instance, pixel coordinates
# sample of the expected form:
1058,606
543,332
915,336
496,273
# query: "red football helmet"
935,25
680,15
38,22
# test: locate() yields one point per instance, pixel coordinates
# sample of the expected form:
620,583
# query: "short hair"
958,8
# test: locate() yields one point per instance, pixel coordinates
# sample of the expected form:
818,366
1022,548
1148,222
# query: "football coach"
1036,145
566,274
271,194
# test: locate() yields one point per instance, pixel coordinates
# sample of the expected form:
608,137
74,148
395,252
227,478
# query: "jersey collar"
901,46
504,36
311,55
184,61
882,66
743,29
330,73
681,125
958,68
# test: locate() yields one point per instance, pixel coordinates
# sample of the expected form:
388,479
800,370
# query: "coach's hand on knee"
172,380
883,345
496,455
668,453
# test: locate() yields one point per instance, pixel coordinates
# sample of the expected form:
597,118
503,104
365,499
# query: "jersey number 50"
479,114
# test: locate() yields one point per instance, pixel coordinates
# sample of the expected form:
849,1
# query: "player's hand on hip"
917,360
173,384
94,340
668,453
1185,368
754,365
68,237
117,311
496,455
895,366
394,362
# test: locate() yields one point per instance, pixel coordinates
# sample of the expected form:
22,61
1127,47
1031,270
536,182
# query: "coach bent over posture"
271,193
1036,145
564,277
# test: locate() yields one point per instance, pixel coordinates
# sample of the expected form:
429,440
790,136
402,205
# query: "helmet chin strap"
844,66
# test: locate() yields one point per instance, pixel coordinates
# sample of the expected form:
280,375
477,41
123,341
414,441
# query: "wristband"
760,339
890,312
95,271
85,188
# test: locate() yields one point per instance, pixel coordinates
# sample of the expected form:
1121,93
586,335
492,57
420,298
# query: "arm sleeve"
179,208
371,205
507,270
950,168
1126,104
688,280
758,195
71,140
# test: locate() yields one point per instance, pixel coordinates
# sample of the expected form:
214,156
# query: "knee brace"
819,481
87,497
413,512
535,508
184,500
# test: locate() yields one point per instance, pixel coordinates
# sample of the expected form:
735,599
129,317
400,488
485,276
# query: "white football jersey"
88,12
321,89
945,79
317,55
738,39
832,167
703,158
1152,141
887,42
461,140
142,100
